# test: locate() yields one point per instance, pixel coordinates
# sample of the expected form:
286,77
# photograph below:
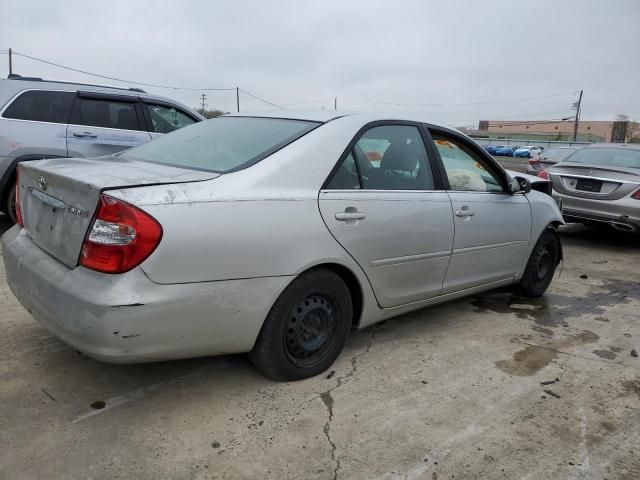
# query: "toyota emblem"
42,182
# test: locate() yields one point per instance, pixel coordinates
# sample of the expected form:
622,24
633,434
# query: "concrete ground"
454,391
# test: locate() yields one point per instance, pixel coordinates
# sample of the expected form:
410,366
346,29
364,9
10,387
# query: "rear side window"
41,106
222,144
165,119
105,113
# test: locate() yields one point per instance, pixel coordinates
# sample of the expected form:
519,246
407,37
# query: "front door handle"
465,213
345,216
85,135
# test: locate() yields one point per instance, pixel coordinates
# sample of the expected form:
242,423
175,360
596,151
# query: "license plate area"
587,185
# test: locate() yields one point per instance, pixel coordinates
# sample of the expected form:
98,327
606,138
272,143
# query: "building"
588,130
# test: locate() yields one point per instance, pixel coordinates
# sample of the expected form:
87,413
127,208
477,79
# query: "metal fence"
523,141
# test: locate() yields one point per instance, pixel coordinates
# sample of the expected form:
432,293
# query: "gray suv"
47,119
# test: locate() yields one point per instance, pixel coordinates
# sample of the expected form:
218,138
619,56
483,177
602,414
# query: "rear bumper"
623,214
127,318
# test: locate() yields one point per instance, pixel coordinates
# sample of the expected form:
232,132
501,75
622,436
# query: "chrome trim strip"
589,177
48,199
386,262
489,247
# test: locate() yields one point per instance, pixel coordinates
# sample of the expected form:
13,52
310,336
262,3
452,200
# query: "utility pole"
203,97
577,121
335,103
10,63
238,99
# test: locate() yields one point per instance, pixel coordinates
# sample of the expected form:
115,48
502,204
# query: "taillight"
636,194
535,163
120,238
543,174
18,209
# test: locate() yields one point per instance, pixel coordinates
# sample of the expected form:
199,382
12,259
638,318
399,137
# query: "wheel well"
5,191
353,285
553,227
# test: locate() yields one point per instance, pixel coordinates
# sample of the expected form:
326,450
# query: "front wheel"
306,328
540,267
11,204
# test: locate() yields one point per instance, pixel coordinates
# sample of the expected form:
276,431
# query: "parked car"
273,234
548,158
504,151
490,149
48,119
600,185
527,151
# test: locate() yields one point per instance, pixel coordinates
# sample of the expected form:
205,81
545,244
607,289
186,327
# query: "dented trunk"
58,197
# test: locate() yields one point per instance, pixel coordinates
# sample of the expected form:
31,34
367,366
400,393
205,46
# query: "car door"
384,206
163,117
492,226
102,124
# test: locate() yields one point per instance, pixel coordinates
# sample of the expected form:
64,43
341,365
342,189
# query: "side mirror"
519,185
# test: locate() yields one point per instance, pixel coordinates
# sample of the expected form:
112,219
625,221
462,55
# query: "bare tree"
209,113
631,128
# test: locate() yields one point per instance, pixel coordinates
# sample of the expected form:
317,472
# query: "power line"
77,70
261,99
513,100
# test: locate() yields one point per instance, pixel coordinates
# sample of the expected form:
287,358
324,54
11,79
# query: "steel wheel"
310,329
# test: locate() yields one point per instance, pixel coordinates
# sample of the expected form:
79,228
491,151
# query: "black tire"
540,267
306,328
11,203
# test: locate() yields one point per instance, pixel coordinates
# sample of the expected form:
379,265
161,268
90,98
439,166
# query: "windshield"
557,153
222,144
612,156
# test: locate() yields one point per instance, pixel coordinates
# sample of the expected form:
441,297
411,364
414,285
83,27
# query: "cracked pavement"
452,391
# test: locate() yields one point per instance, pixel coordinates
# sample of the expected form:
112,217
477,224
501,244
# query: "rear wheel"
10,202
540,267
306,328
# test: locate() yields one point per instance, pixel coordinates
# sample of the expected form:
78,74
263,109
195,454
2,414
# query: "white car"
527,151
270,234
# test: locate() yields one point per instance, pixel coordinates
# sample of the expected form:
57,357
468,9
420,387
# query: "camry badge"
42,182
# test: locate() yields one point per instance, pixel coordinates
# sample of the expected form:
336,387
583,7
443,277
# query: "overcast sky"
395,51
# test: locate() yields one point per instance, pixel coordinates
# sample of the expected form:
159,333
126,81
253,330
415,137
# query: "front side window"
387,157
165,119
222,144
105,113
465,169
41,106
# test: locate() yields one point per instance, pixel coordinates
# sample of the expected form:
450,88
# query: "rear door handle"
344,216
85,135
465,213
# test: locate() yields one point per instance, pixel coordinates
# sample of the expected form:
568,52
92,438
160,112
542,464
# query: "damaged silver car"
274,235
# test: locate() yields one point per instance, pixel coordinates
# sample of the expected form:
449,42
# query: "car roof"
15,84
628,146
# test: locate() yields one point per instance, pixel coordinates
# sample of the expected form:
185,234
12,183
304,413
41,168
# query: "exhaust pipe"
623,227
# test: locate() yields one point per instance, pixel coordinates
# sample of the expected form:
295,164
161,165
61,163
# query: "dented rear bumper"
127,318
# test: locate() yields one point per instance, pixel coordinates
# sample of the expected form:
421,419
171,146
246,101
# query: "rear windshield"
222,144
615,157
557,153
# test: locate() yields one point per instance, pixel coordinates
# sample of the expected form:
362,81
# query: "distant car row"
526,151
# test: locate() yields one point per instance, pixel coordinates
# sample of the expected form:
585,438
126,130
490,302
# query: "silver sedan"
273,235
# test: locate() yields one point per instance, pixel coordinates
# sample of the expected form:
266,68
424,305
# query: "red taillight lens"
121,237
535,163
18,209
636,194
543,174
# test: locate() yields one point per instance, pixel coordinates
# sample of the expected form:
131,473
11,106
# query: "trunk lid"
58,197
599,182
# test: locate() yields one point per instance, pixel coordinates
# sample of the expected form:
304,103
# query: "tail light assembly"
18,209
543,174
120,237
535,163
636,195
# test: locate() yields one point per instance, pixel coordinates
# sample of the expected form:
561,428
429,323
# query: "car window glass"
105,113
393,157
165,119
41,106
465,170
346,177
